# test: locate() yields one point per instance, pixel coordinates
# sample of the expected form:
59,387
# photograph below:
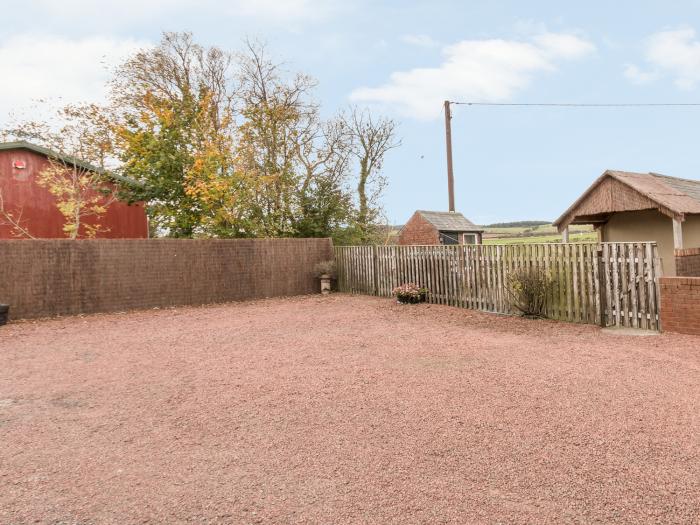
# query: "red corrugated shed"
22,195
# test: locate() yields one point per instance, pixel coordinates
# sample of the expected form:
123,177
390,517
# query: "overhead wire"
580,105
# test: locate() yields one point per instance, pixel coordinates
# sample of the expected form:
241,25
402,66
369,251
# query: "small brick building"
439,227
35,207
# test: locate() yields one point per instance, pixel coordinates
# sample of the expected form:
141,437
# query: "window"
469,238
449,237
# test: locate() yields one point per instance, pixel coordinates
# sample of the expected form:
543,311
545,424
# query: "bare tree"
277,114
176,70
324,153
372,138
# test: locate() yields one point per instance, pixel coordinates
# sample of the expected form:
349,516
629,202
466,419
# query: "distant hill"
517,232
517,224
534,232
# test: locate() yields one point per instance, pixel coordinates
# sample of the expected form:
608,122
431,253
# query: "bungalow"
439,227
630,207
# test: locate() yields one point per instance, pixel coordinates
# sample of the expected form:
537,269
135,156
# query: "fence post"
375,269
601,285
658,271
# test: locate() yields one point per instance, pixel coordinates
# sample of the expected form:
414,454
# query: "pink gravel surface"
344,409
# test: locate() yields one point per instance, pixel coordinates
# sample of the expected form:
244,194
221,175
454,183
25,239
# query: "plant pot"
4,313
325,284
409,299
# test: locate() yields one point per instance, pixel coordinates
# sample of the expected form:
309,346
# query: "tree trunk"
362,216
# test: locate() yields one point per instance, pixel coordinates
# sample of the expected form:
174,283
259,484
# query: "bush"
529,288
325,268
410,293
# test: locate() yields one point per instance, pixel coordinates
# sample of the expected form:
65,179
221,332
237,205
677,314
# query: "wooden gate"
607,284
628,289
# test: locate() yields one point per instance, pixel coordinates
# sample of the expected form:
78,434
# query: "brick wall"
688,262
61,277
680,304
418,231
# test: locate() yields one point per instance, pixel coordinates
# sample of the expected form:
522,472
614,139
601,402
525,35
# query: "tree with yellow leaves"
224,145
78,145
175,134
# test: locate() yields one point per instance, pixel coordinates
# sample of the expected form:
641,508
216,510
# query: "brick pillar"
688,262
680,304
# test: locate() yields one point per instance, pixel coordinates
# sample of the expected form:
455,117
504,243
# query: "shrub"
325,268
529,288
410,293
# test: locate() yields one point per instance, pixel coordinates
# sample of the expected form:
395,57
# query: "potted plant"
410,293
4,313
325,271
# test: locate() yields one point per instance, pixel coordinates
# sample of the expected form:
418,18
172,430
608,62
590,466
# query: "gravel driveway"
344,409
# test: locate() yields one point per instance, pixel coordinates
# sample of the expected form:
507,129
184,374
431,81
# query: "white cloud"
638,76
678,53
476,70
675,53
108,11
420,40
527,27
563,46
311,10
57,69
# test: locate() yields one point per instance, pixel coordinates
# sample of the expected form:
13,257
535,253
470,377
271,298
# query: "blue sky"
403,58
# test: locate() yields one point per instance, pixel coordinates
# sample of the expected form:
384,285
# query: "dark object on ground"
4,313
412,299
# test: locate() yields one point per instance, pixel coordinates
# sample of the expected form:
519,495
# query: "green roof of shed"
67,159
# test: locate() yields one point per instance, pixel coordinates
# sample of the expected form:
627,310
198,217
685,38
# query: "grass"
546,233
579,237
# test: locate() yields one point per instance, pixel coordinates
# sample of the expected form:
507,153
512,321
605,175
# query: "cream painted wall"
650,225
646,225
691,231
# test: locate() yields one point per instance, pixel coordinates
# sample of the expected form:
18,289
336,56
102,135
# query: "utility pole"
448,141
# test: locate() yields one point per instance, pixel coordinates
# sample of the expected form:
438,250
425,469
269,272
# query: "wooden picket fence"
598,283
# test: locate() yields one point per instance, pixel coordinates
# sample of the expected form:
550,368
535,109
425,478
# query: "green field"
544,233
537,234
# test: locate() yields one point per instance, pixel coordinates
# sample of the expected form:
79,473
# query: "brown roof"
449,221
616,191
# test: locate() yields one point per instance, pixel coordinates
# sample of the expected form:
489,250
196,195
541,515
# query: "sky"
403,59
